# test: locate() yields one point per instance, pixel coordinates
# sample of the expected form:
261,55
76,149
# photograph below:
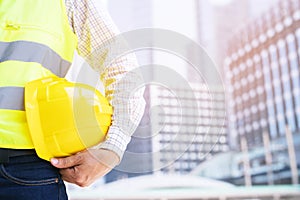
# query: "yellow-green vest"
36,41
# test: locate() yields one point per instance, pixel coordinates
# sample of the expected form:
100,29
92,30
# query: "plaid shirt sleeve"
93,28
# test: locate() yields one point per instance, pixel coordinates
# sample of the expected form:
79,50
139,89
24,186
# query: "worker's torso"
35,41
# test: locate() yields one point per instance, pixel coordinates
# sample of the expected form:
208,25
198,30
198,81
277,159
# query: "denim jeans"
29,177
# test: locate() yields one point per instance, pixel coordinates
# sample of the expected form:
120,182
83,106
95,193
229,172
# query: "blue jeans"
29,177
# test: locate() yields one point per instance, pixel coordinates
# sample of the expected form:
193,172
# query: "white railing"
238,193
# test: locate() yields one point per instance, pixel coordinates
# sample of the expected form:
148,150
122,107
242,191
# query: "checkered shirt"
93,28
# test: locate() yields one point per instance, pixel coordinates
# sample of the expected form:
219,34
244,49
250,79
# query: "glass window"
269,93
277,89
294,70
286,84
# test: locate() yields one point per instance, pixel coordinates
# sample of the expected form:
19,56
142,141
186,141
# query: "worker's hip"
29,177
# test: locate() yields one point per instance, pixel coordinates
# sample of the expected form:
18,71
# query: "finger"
66,162
72,175
68,175
68,172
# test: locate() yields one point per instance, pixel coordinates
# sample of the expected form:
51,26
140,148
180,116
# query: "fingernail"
54,161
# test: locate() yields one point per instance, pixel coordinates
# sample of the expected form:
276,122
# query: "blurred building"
263,78
189,127
217,23
213,34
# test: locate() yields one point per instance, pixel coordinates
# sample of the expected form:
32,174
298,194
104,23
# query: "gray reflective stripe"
12,98
34,52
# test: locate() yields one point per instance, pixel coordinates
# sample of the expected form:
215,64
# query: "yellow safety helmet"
65,117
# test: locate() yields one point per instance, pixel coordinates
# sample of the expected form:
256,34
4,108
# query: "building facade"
190,127
263,79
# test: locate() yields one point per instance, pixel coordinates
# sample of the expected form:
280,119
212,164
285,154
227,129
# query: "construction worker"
37,40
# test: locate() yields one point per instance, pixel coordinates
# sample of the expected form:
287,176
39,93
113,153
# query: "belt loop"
4,158
5,154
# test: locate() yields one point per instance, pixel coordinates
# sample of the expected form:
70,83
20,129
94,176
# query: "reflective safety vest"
36,41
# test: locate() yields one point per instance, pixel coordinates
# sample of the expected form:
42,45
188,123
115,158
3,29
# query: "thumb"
66,162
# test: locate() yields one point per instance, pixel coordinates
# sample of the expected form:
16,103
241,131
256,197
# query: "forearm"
124,90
